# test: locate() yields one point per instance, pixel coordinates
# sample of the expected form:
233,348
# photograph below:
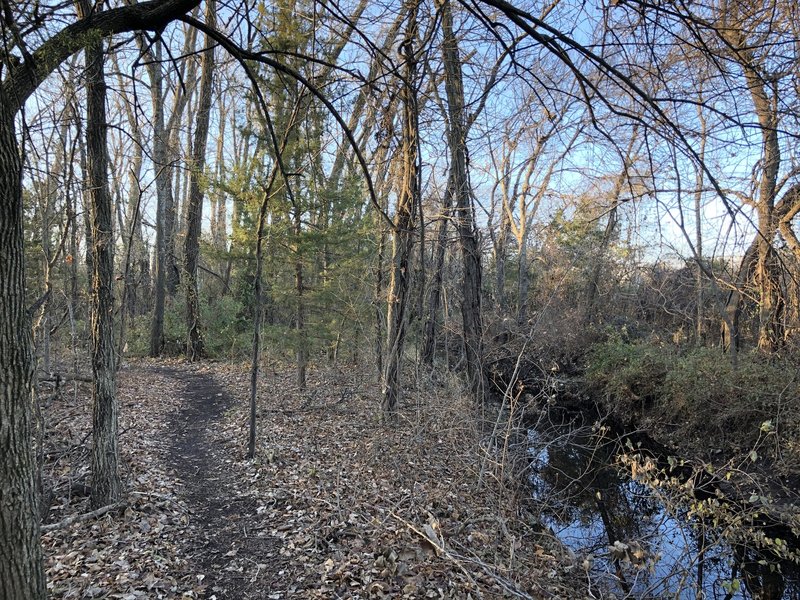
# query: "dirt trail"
335,505
226,528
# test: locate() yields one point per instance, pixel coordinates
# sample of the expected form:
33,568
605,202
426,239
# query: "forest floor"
335,504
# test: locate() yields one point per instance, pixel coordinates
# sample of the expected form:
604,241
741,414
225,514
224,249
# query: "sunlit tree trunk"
402,234
194,344
500,255
761,268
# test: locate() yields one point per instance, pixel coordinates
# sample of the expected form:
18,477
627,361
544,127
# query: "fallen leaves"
366,511
335,505
132,553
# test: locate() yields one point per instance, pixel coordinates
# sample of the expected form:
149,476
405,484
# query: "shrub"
227,329
704,392
696,392
138,334
227,332
630,375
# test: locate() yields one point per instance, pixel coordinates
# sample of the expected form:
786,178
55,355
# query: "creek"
634,540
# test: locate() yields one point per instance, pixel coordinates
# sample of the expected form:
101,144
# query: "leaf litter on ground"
336,504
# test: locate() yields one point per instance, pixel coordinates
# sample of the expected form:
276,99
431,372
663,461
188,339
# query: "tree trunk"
731,314
258,311
463,210
402,238
106,485
592,287
167,275
501,252
300,314
698,230
435,294
765,269
194,344
163,207
378,301
134,243
523,278
21,573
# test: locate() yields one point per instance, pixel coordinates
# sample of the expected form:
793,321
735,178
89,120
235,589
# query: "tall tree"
106,485
408,195
194,344
165,141
463,211
21,573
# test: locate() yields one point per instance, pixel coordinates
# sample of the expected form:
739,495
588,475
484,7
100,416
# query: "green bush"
630,375
703,390
696,391
227,329
138,334
227,332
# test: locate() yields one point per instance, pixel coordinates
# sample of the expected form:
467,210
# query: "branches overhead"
23,79
243,55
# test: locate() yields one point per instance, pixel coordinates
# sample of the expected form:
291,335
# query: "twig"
73,377
82,517
440,549
165,497
507,585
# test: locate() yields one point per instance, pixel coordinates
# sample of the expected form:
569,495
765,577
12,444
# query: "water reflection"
636,543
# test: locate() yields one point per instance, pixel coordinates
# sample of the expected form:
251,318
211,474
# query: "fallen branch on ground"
82,517
437,542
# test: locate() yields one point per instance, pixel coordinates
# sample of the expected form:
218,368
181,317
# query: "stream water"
635,541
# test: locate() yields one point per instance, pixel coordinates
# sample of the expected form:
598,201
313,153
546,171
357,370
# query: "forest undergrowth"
336,503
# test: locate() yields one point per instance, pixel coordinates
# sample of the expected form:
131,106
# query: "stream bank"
646,519
636,539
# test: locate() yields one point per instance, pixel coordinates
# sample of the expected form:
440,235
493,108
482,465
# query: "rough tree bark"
21,574
402,235
163,207
462,209
106,485
195,348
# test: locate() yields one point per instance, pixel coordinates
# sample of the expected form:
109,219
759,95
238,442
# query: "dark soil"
226,527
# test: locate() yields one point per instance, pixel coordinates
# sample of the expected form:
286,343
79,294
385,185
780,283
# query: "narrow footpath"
226,527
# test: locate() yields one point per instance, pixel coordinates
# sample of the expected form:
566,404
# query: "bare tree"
463,210
195,348
408,195
106,485
165,138
21,574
